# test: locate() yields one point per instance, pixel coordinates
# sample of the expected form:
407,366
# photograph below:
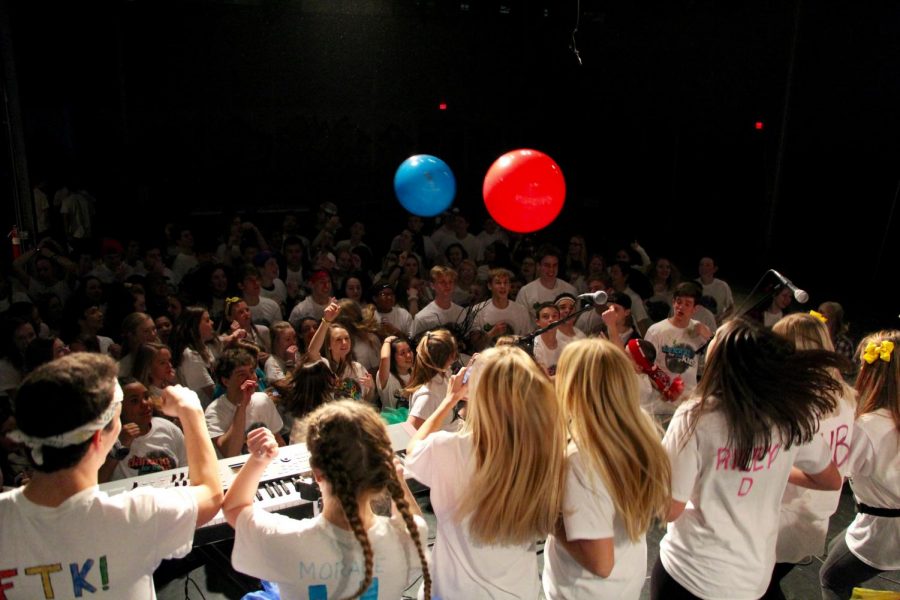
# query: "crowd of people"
123,357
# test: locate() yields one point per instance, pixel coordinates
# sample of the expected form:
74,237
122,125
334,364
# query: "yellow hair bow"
875,351
818,315
232,300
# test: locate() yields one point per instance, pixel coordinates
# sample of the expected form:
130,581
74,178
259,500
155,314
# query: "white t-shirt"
590,514
545,356
36,289
278,293
770,318
261,409
425,400
81,208
676,351
651,400
266,312
875,478
307,308
564,340
804,515
182,265
535,293
721,292
261,336
390,393
470,243
314,559
93,545
161,449
705,316
350,381
366,349
293,277
514,315
638,310
433,316
487,239
460,567
461,296
126,365
723,544
441,238
193,371
105,343
274,369
399,317
104,274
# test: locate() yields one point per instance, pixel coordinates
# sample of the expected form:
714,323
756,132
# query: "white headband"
78,435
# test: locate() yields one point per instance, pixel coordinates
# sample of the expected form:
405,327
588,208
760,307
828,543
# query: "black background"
161,108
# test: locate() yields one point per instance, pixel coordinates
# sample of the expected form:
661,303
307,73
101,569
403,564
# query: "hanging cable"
574,45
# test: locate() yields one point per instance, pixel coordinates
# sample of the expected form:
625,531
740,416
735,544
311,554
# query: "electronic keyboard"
287,485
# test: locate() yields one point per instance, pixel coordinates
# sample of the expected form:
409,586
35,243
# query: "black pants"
778,573
663,587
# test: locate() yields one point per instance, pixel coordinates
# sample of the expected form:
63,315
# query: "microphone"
599,297
799,295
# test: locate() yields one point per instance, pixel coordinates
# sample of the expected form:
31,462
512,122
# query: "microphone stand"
526,342
767,294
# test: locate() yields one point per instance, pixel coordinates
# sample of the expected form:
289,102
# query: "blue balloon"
424,185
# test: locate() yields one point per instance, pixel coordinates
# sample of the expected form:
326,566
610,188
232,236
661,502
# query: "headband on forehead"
75,436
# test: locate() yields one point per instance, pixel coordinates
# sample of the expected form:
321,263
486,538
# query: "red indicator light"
758,125
442,106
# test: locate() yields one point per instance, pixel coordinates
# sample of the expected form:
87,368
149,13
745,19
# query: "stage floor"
210,571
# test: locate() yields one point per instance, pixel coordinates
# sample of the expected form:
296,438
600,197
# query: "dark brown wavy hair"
764,388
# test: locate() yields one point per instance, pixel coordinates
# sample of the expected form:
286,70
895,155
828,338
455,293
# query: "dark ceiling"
161,105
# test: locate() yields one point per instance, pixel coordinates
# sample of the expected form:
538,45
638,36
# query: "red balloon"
524,190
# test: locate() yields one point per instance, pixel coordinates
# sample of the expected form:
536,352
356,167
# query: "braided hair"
349,444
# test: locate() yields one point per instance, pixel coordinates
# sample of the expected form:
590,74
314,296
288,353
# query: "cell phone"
468,369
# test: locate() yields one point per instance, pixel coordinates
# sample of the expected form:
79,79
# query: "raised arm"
315,344
456,391
263,448
203,469
645,258
384,363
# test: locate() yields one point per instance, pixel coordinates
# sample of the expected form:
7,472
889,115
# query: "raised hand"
130,431
176,397
261,444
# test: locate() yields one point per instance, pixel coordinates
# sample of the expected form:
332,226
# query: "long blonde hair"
598,389
519,442
809,333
